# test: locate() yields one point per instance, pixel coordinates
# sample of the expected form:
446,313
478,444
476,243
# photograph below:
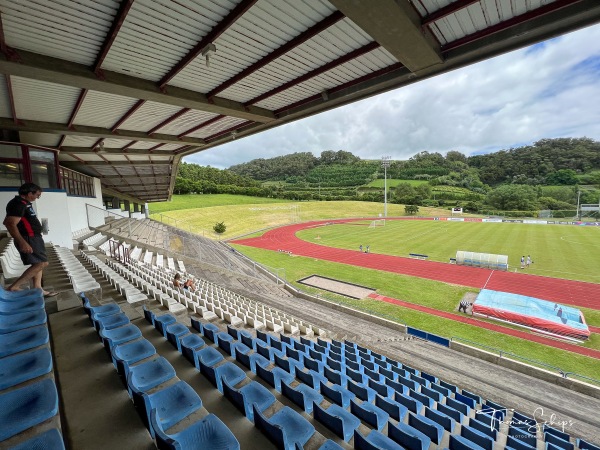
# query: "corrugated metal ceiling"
132,86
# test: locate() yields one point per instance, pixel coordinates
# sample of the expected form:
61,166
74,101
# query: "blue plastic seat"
26,407
49,440
477,437
447,422
25,305
397,387
313,364
225,341
175,331
369,413
207,356
557,441
274,376
227,371
172,404
470,402
111,322
288,364
149,315
123,355
120,335
585,445
460,443
95,312
196,324
337,419
441,389
17,369
374,441
450,412
412,404
310,378
19,321
210,330
207,433
302,395
428,427
517,444
392,407
161,322
262,336
252,360
522,434
286,428
458,405
432,394
21,340
487,426
247,339
148,375
337,394
408,437
189,344
239,347
17,296
361,391
558,433
248,395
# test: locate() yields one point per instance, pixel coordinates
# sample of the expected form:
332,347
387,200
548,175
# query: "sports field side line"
493,327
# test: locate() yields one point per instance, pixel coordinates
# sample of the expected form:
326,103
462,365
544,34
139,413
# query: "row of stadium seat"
169,407
28,394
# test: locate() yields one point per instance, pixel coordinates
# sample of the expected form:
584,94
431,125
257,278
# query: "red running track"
570,292
490,326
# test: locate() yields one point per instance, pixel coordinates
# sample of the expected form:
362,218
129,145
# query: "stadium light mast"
385,162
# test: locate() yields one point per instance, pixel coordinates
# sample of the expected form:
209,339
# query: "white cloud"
544,91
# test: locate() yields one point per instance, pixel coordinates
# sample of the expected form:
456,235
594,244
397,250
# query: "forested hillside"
545,175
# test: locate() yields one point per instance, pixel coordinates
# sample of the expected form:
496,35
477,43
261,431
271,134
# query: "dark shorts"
39,251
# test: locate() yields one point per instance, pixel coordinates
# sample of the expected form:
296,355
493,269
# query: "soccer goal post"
377,223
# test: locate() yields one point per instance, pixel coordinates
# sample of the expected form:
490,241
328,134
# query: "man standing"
23,225
464,305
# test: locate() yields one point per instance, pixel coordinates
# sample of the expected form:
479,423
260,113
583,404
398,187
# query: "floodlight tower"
385,162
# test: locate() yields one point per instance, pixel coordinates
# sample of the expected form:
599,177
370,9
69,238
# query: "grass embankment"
243,215
423,292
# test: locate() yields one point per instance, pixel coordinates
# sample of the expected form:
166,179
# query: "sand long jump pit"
337,287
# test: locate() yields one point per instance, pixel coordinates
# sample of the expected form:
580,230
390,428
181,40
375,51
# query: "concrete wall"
78,209
542,374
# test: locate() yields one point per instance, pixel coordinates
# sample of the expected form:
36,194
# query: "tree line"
544,175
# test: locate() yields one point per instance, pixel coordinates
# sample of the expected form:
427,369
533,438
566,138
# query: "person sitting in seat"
177,282
189,285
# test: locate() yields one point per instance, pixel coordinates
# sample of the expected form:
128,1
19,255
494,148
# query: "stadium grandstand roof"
125,89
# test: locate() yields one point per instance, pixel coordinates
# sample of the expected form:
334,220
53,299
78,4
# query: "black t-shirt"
29,225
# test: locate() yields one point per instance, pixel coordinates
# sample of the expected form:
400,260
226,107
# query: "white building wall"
65,214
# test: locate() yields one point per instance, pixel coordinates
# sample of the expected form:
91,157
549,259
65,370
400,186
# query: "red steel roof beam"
124,149
97,143
501,26
300,39
229,130
127,115
11,100
175,116
202,125
77,106
318,71
446,11
62,141
112,35
150,150
217,31
362,79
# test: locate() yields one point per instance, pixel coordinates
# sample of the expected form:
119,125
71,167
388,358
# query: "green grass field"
441,239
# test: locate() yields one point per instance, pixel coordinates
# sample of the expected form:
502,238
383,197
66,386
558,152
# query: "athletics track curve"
554,289
577,293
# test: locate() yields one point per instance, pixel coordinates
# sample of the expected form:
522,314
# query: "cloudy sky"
551,89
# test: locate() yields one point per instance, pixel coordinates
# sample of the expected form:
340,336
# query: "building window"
21,163
76,183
